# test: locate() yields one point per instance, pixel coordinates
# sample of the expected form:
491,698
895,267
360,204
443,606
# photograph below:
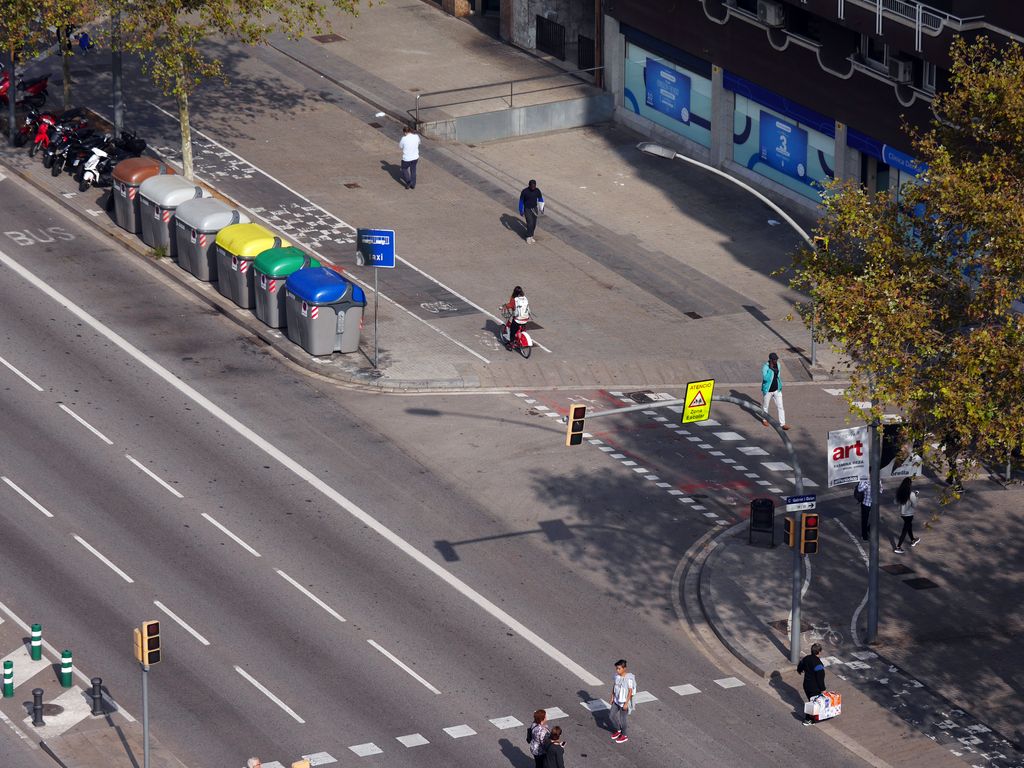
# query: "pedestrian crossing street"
496,725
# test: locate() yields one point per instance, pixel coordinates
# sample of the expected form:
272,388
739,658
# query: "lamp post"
657,150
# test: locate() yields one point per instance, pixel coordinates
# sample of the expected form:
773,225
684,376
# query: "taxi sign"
698,401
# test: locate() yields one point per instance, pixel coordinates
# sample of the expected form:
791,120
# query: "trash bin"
325,311
159,197
128,176
237,246
272,268
197,223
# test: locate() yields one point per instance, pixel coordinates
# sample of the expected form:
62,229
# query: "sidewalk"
948,660
646,273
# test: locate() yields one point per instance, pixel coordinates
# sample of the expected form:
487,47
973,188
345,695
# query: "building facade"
788,94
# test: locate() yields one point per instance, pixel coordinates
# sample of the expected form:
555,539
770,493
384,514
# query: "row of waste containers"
321,311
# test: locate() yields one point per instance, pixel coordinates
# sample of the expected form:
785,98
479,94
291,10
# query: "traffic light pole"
874,467
145,715
798,479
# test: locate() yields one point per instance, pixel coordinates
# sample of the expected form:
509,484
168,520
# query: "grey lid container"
159,196
198,222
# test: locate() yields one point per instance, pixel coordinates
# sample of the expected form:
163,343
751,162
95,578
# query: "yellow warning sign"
698,401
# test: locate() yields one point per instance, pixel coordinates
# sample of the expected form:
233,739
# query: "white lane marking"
729,436
181,622
555,713
229,533
367,749
729,682
310,595
139,464
349,275
595,705
644,697
402,665
86,424
684,690
27,498
310,478
56,654
459,731
103,559
23,377
412,740
504,723
266,692
753,450
320,758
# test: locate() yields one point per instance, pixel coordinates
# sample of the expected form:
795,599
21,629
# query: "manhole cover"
920,583
897,569
640,397
353,185
331,38
693,315
375,125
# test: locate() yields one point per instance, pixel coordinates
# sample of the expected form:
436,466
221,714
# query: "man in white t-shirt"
410,146
621,701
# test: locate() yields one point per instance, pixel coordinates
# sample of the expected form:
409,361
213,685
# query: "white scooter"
523,343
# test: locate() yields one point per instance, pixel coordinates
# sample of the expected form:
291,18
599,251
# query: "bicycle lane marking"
340,224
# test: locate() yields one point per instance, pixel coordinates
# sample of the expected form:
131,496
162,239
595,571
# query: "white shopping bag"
824,706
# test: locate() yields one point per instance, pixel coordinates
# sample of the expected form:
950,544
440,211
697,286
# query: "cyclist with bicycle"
518,310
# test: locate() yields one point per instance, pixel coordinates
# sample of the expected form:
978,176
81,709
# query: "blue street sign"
801,499
377,247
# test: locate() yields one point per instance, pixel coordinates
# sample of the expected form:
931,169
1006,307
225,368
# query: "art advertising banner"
847,456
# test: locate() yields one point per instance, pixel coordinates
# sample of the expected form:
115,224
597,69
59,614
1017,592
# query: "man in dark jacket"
813,670
530,202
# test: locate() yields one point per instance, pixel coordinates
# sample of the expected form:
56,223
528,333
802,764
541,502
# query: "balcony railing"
922,17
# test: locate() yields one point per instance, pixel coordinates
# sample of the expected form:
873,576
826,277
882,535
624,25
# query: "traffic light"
574,428
809,534
789,530
147,643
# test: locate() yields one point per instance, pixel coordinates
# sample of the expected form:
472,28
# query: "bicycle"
824,632
522,342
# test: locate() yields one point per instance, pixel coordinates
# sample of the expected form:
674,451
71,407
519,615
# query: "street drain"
897,569
375,125
640,397
920,583
331,38
353,185
692,315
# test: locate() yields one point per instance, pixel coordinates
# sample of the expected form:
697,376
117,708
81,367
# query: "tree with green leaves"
20,32
66,16
171,36
922,290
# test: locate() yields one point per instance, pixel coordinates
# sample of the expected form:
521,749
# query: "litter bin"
197,223
325,311
159,197
128,176
272,268
237,246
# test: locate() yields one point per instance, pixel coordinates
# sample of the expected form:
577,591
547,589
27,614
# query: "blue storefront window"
673,96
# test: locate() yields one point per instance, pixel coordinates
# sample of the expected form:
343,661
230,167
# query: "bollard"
37,642
97,696
66,666
8,679
37,707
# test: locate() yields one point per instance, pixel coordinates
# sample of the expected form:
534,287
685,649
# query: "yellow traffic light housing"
147,643
789,531
809,534
574,427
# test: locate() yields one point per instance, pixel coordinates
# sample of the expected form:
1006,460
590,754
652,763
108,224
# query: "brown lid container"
136,170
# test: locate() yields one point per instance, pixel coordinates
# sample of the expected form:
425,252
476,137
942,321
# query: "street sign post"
697,403
376,248
801,503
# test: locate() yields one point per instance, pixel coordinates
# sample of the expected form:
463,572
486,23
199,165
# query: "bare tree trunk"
186,132
12,92
65,64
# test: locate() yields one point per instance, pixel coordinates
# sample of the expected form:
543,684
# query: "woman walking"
540,737
906,499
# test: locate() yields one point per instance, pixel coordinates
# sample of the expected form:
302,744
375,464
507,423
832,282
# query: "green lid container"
281,262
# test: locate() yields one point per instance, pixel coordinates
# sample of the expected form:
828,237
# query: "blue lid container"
320,285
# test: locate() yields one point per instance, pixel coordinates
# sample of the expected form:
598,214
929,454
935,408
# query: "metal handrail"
511,89
921,15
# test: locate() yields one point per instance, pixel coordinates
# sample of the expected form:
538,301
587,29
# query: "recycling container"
159,197
324,310
196,224
128,177
272,268
237,246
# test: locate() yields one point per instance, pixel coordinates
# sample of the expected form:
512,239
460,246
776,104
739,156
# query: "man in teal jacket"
771,389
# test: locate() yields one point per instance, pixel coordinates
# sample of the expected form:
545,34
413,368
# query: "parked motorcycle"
98,168
35,89
76,153
46,131
60,142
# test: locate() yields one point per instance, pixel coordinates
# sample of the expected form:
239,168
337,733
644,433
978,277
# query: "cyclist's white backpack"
522,311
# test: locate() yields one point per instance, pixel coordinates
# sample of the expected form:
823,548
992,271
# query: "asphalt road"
293,529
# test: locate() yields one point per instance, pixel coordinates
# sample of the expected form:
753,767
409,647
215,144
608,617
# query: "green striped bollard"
36,648
66,666
8,679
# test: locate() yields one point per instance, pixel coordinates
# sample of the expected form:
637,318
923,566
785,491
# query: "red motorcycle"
35,89
49,125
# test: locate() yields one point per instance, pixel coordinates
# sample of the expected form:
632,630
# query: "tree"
170,35
66,16
922,290
20,31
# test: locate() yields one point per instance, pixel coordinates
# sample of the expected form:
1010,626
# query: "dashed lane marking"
504,723
86,424
404,667
21,375
459,731
27,498
729,682
154,476
310,595
266,692
684,690
367,749
320,758
412,740
103,559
